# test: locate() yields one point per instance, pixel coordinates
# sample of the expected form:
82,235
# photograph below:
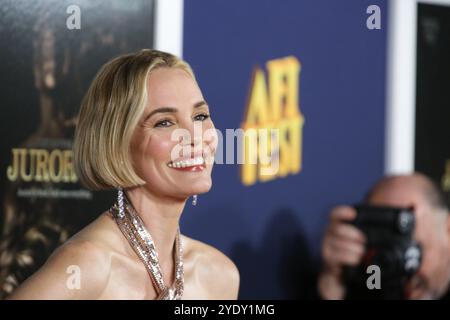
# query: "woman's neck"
161,217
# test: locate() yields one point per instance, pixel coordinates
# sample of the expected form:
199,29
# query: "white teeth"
198,161
187,163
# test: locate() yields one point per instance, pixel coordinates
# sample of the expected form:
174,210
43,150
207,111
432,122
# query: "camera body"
390,246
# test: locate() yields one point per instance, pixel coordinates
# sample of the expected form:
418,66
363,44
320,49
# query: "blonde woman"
142,130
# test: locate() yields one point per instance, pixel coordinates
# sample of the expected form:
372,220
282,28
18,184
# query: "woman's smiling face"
173,158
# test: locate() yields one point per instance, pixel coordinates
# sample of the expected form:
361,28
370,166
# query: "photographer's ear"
447,227
447,222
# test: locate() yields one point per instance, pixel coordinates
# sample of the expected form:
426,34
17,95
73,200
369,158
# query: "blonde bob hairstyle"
109,113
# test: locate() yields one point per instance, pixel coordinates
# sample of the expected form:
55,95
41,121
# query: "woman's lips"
190,165
195,168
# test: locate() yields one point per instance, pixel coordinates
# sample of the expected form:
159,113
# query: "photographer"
344,244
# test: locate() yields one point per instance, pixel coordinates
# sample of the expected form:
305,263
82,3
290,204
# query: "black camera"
391,253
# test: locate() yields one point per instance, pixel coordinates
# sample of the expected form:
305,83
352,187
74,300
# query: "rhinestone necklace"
142,243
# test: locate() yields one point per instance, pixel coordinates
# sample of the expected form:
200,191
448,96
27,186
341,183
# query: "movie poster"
50,52
432,149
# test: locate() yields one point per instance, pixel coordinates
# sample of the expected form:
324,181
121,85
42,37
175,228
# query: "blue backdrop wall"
273,230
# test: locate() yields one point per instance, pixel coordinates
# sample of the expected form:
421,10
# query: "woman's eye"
201,117
163,124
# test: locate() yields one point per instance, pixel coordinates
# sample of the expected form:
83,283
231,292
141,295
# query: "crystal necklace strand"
142,243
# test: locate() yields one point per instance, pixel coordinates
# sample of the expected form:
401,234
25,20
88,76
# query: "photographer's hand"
343,244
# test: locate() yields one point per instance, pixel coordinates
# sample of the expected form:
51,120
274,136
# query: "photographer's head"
432,229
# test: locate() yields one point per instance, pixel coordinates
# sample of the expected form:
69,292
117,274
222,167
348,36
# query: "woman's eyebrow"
173,110
160,110
200,103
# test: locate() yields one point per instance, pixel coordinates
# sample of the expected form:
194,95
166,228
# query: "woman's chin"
199,187
203,188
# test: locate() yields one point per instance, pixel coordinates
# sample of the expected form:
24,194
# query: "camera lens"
405,221
412,259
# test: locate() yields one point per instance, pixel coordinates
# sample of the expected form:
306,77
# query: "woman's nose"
192,135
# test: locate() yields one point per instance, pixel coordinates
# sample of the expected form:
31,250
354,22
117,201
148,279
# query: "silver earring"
121,213
194,200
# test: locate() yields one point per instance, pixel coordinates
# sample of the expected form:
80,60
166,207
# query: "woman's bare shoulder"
78,269
102,232
213,268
